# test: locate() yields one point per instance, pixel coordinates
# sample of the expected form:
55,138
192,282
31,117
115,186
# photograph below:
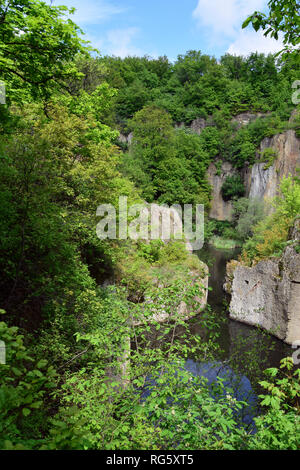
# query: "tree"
37,45
233,187
234,65
193,65
284,17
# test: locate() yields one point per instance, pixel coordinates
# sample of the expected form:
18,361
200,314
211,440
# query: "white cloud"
119,42
116,42
90,11
251,41
222,20
225,17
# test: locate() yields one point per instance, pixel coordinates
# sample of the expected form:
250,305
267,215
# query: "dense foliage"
90,366
271,234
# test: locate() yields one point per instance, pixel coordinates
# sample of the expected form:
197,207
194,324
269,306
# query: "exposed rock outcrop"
196,277
263,180
126,139
197,125
244,119
268,294
220,209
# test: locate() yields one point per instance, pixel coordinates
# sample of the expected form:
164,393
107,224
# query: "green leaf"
26,411
246,22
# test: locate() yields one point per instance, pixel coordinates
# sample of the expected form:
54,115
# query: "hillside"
108,336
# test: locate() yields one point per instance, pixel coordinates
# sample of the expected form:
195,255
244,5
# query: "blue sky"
170,27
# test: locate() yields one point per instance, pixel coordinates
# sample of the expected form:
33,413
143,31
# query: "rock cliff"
263,180
220,209
268,294
244,119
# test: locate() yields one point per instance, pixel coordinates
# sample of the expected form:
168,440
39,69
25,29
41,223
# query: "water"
244,352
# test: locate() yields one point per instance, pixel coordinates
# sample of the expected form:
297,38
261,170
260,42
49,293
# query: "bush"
233,187
248,213
271,234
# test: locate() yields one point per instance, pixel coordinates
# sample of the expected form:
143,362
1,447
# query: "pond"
241,353
244,352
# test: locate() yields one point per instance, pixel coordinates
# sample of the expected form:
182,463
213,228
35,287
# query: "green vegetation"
248,213
270,235
222,243
89,365
269,156
233,187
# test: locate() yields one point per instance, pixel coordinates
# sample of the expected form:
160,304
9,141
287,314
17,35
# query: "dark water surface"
244,351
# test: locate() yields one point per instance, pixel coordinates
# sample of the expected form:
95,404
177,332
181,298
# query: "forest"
89,365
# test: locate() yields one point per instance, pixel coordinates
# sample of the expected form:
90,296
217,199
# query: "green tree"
153,141
37,47
233,187
283,17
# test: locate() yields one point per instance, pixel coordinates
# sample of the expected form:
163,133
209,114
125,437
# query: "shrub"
233,187
268,156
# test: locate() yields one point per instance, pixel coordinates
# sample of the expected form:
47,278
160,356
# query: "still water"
244,352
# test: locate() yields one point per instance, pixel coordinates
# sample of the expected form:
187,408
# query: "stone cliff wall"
268,294
262,181
220,209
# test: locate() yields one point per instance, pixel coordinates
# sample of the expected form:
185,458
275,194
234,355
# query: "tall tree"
37,45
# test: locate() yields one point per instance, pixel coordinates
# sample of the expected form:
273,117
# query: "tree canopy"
38,45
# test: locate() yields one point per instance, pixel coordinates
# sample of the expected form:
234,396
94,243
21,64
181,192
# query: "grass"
224,243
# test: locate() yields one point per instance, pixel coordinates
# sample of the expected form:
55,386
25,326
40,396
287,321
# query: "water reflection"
244,351
239,384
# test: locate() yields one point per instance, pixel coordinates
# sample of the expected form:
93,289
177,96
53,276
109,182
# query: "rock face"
263,182
244,119
126,139
165,223
220,209
197,125
268,294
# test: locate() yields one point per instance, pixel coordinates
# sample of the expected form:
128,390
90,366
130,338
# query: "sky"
170,27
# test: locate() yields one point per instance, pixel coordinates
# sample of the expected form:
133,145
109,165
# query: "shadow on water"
244,351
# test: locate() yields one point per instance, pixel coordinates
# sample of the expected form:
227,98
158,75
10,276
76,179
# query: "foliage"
248,213
168,166
279,428
233,187
283,18
269,155
24,390
225,243
271,234
118,378
37,48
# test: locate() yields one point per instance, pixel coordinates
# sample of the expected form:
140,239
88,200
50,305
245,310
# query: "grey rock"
126,139
244,119
263,182
198,125
268,294
220,209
